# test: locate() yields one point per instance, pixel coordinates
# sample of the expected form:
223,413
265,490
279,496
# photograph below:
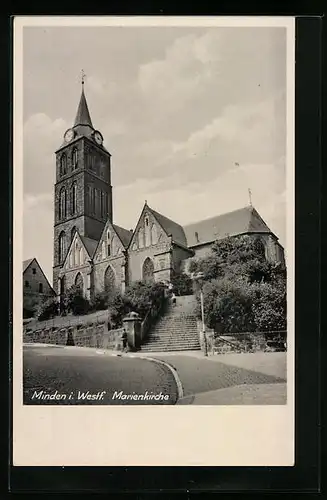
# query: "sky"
193,117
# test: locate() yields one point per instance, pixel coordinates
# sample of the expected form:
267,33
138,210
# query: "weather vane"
83,76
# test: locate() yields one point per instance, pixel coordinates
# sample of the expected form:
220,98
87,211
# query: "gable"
29,266
77,254
110,244
148,231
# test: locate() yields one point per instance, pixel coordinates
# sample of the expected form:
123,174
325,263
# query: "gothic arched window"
73,198
62,246
97,201
154,234
81,256
103,250
141,238
101,204
109,280
93,200
72,233
71,263
147,232
106,209
77,262
148,270
63,164
62,203
108,244
74,158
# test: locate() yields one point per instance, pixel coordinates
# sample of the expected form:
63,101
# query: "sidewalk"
256,394
233,379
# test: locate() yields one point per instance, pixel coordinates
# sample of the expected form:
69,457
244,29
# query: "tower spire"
83,114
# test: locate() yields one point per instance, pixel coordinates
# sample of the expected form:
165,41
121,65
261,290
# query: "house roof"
89,244
26,263
244,220
171,228
124,234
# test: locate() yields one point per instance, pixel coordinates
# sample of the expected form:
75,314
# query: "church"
94,253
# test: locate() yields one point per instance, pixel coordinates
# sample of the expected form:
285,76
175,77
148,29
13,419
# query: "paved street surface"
72,372
230,379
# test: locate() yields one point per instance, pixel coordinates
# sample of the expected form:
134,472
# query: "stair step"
176,330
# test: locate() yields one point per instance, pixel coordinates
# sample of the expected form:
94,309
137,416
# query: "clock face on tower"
69,135
98,137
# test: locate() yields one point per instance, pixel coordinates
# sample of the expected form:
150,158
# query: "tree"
182,284
141,296
228,305
242,290
269,305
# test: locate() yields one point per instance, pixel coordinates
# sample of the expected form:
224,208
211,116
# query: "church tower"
83,191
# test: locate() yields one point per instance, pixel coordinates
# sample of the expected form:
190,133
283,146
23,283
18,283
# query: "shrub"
28,313
118,308
75,302
140,297
48,309
100,302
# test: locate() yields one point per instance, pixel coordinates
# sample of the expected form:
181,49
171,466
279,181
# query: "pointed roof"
170,227
124,235
241,221
83,115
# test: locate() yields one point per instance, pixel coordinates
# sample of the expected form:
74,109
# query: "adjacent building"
36,287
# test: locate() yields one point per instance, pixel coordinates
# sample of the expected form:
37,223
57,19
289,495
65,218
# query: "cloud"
42,136
192,118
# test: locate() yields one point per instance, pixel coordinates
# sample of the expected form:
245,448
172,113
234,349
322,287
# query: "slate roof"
241,221
89,244
171,228
124,234
26,263
83,115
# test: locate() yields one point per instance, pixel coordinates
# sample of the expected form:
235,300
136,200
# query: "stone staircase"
176,330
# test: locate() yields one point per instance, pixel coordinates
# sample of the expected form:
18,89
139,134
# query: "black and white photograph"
156,214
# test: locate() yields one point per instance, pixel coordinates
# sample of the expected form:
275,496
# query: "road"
71,375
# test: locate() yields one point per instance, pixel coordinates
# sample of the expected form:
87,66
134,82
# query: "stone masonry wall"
95,335
118,266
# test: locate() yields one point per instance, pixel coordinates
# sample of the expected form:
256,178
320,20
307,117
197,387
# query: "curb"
180,392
